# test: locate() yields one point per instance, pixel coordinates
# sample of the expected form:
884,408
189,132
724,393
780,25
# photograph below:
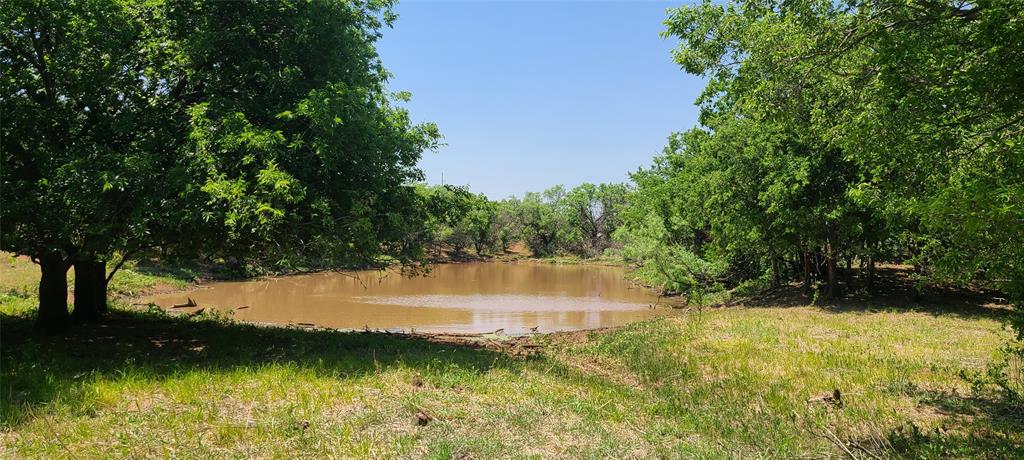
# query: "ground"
753,379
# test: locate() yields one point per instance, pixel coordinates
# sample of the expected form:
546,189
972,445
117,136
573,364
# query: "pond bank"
726,382
742,381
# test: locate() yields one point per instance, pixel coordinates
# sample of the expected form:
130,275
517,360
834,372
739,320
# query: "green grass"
609,260
722,383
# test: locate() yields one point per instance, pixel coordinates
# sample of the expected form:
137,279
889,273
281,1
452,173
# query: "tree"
506,225
669,228
256,129
448,209
593,211
479,223
805,104
88,129
545,228
903,121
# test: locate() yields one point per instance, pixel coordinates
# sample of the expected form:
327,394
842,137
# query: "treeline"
835,135
578,221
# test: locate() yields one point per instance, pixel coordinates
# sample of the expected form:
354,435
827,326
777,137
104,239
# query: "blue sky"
533,94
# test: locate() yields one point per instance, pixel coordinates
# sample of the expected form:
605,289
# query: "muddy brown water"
466,297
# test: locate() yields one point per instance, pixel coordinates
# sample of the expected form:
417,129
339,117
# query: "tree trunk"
830,261
90,290
915,293
871,273
807,273
53,294
831,277
849,274
776,275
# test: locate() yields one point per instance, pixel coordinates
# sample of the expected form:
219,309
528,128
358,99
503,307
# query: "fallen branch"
865,450
835,440
190,303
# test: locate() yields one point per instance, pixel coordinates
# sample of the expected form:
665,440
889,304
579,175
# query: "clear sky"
533,94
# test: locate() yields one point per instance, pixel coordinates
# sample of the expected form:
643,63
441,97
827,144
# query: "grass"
19,282
519,252
719,383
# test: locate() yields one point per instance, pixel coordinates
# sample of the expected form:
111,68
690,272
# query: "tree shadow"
189,271
892,290
37,371
974,426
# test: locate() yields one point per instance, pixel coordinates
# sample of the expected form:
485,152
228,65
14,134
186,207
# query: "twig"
835,440
866,451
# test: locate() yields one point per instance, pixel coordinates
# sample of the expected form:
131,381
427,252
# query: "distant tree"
506,227
594,212
459,219
545,227
479,223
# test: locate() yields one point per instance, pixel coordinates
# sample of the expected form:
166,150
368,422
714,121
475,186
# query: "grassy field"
723,383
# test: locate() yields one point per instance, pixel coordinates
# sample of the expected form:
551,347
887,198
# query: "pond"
463,297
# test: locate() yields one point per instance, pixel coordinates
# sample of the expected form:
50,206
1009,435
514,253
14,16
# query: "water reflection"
470,297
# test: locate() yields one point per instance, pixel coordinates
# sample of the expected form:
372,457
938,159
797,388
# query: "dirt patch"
575,337
517,346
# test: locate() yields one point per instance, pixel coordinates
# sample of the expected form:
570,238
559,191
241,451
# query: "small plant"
815,292
155,311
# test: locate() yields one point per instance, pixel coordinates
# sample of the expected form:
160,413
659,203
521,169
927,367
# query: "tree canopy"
841,130
253,129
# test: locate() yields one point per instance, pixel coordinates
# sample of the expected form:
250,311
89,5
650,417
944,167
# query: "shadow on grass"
976,427
37,371
188,272
892,290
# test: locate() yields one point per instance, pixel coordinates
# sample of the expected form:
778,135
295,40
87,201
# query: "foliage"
255,130
840,131
595,212
673,268
1005,373
545,228
459,219
506,227
579,221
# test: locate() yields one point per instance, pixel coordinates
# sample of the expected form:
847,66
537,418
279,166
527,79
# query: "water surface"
467,297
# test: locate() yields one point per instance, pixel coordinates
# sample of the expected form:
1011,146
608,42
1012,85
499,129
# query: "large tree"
253,129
